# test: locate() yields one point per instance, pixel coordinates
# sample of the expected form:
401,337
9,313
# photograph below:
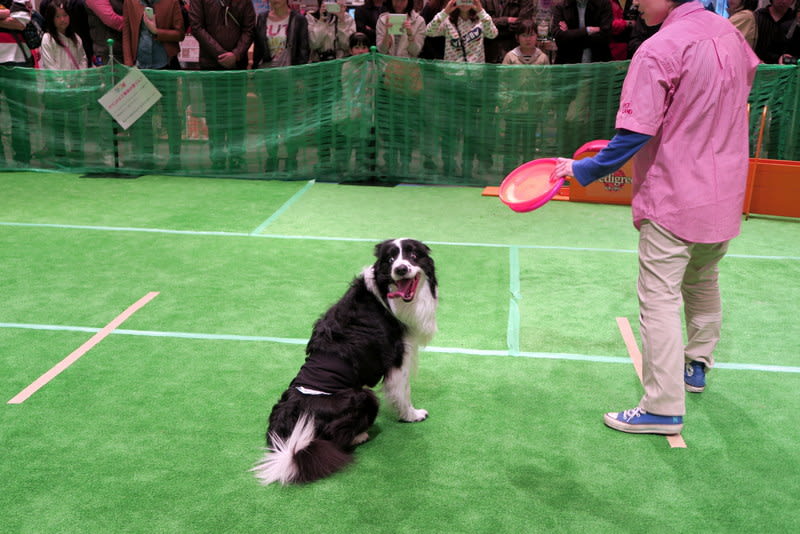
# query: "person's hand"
450,7
563,167
227,59
477,5
562,26
150,22
592,29
407,26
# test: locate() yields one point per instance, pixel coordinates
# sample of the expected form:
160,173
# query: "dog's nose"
401,270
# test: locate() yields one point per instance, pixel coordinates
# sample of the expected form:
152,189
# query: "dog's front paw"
359,439
414,416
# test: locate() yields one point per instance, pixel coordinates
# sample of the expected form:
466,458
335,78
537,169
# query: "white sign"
130,98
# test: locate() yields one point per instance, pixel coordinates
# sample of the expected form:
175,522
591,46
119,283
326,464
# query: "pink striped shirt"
687,86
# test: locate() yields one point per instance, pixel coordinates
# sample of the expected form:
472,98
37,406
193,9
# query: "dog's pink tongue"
403,288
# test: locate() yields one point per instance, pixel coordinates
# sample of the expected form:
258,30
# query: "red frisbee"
531,185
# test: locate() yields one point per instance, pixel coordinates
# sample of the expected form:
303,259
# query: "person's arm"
489,29
130,14
106,14
17,17
172,30
600,31
197,21
622,147
47,59
247,28
437,25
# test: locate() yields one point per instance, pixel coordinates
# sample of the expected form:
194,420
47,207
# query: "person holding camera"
400,39
329,31
150,40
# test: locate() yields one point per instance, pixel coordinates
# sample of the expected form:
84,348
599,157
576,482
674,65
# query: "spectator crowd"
238,35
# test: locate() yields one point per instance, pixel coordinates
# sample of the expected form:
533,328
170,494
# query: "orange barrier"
616,188
773,188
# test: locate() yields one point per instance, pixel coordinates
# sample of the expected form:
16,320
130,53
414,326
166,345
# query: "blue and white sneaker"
638,421
694,377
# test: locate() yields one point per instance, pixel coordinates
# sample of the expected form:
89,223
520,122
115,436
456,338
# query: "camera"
788,59
463,3
332,7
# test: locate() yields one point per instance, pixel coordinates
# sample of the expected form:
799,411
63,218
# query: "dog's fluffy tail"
301,457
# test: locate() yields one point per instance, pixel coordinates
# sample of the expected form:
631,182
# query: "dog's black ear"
379,248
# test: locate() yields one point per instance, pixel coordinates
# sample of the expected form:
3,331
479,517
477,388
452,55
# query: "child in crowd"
526,53
352,120
525,108
62,49
464,26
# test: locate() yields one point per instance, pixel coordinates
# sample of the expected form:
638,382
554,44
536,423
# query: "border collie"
373,332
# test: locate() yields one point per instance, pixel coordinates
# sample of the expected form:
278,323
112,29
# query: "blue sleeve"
620,149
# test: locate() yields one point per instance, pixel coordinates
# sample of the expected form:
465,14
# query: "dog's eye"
391,259
413,256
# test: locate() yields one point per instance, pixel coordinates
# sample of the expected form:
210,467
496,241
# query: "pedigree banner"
616,188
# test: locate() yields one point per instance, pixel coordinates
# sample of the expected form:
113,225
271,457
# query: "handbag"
32,33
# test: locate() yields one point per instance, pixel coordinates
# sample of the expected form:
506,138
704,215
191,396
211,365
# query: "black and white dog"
373,332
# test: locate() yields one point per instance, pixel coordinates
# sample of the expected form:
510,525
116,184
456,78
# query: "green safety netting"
369,117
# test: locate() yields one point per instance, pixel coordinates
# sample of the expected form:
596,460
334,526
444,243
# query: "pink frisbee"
531,185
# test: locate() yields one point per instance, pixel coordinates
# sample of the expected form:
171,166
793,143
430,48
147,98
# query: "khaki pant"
671,272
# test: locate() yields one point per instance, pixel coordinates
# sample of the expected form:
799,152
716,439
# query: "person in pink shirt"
683,112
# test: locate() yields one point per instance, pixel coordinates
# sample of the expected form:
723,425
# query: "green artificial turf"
154,429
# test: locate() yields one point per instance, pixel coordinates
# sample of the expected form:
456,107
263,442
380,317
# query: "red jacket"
169,22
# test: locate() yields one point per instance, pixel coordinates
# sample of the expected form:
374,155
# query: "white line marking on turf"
443,350
512,332
283,208
80,351
357,239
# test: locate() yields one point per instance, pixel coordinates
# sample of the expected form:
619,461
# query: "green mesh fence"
365,118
